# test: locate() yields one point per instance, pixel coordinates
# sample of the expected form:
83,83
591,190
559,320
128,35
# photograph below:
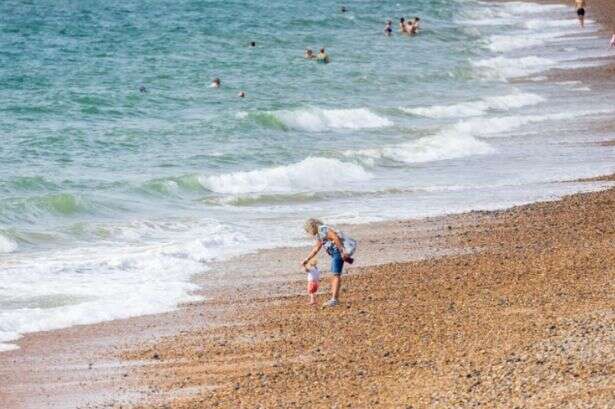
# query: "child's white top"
313,274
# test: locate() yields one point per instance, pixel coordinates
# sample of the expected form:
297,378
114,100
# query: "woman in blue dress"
338,246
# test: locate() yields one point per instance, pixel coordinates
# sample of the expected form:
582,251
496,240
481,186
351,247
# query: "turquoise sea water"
111,199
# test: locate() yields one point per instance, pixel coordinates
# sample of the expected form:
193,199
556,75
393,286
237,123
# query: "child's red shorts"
312,287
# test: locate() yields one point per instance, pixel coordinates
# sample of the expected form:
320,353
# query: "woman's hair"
311,226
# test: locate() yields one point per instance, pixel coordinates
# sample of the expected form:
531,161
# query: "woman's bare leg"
336,283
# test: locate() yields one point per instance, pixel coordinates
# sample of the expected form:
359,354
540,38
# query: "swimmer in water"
309,54
344,9
142,89
241,94
388,28
580,4
323,57
252,43
414,26
215,83
402,25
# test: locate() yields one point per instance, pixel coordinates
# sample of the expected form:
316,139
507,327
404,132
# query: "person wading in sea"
581,11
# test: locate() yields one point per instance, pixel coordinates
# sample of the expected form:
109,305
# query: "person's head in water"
388,27
241,94
252,43
344,9
308,53
322,57
215,83
142,89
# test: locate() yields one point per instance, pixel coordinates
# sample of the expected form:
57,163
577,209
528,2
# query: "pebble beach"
502,307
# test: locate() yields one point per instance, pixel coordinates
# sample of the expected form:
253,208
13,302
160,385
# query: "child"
313,275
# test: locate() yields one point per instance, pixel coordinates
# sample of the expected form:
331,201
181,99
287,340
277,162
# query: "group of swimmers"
322,56
215,83
410,27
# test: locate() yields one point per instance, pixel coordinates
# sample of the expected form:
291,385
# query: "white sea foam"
319,120
505,43
7,245
495,126
94,284
519,7
311,174
434,148
546,23
499,126
450,143
477,108
505,13
504,67
461,139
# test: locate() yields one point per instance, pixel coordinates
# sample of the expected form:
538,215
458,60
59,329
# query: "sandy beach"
500,309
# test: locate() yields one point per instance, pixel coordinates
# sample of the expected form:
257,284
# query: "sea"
123,174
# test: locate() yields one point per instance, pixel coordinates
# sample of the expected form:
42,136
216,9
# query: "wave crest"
313,173
7,245
320,120
503,68
476,108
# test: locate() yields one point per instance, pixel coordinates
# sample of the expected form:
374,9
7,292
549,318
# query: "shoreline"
55,367
468,319
92,361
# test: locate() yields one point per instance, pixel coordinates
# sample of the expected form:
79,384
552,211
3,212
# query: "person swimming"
323,57
414,26
388,28
309,54
252,43
142,89
241,94
402,25
215,83
344,9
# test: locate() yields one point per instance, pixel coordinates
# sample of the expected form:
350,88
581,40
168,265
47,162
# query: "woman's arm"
314,251
332,235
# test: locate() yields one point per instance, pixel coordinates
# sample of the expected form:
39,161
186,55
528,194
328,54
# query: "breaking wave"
476,108
313,173
320,120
